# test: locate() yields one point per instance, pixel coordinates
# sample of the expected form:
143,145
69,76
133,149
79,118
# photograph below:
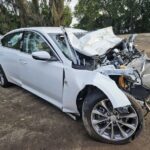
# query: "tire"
3,80
113,135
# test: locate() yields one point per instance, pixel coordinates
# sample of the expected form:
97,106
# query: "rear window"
12,40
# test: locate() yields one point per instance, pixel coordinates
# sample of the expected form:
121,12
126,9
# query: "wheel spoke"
132,115
128,125
123,133
94,121
103,129
98,113
112,130
103,103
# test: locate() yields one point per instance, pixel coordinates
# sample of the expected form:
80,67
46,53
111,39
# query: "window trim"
45,40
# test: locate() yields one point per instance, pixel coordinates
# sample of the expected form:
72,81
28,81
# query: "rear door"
9,56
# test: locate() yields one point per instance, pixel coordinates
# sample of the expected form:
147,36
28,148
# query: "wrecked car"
76,71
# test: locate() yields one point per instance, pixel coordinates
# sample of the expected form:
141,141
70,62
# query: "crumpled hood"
95,42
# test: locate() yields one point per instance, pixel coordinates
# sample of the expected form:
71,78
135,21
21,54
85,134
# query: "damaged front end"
119,59
130,81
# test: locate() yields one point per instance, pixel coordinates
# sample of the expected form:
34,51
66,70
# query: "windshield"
63,45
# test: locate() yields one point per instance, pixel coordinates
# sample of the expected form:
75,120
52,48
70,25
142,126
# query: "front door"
44,78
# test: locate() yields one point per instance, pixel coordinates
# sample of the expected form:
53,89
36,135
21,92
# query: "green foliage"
125,16
24,13
7,20
67,16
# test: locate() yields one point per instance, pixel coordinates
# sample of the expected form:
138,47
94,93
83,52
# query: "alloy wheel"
114,124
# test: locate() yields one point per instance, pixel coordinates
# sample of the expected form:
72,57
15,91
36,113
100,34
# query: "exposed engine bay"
104,48
122,54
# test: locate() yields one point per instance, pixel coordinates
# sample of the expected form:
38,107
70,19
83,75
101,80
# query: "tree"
67,16
126,16
8,21
24,13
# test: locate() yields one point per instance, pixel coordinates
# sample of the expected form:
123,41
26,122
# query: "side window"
34,42
12,40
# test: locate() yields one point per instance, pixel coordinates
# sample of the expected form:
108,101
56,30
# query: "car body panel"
9,61
76,80
42,76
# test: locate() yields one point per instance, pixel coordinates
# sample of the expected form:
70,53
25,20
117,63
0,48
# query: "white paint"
45,78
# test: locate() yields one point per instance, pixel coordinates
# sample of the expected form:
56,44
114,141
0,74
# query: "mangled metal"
114,57
94,43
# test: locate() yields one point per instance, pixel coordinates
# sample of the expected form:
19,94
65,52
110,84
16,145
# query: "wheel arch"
88,89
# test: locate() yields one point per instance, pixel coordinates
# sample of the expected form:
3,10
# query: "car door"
44,78
9,52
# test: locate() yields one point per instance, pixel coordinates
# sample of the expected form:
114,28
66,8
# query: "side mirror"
41,55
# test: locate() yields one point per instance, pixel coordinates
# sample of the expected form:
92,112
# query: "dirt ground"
30,123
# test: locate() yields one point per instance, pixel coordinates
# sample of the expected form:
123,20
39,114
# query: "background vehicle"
45,62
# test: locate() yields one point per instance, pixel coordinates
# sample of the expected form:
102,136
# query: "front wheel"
117,126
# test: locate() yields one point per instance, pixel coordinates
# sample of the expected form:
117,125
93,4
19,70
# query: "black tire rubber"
88,105
6,83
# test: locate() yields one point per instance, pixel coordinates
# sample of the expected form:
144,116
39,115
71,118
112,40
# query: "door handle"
22,61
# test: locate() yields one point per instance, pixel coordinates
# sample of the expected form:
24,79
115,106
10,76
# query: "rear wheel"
110,125
3,80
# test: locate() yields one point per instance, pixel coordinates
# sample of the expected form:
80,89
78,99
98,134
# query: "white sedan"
50,63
